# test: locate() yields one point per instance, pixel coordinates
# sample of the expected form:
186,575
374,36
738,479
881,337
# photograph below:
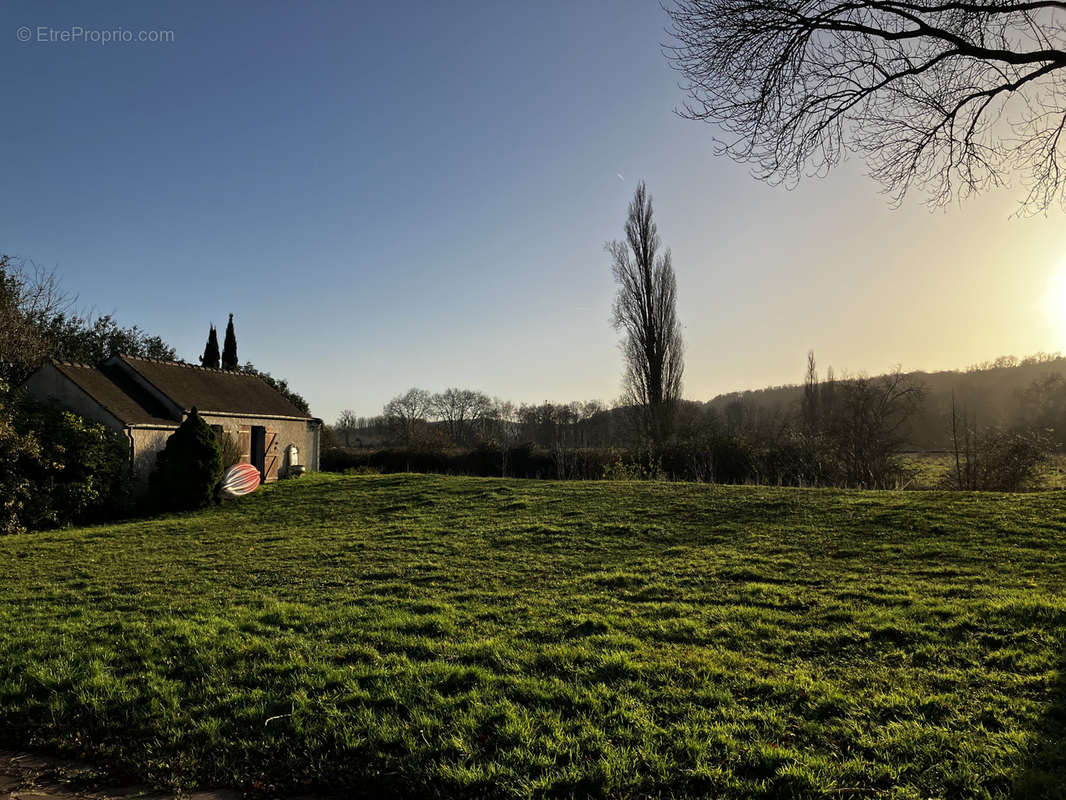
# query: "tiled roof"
213,390
111,390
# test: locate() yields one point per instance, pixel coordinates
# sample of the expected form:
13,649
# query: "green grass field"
411,635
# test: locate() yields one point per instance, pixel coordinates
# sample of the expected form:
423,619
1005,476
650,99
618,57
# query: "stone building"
147,399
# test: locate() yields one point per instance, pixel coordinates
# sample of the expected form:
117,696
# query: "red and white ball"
240,479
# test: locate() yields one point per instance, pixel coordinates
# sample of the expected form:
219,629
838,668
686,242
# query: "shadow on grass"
1045,777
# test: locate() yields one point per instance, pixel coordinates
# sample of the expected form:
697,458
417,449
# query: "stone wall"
147,442
299,432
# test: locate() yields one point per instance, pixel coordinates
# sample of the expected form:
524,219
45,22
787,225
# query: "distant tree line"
419,419
1010,362
826,431
1008,393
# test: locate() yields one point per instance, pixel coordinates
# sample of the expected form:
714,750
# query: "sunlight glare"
1055,300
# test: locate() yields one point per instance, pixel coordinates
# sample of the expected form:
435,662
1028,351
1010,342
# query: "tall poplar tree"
645,311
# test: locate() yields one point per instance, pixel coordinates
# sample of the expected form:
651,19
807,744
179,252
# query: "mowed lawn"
428,636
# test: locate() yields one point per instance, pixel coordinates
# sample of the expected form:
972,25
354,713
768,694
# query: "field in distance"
412,635
935,470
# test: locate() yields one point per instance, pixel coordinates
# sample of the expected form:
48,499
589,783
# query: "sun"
1055,300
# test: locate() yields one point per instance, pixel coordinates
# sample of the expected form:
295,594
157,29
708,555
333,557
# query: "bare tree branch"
951,98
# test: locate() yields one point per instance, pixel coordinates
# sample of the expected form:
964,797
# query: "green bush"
188,469
16,450
65,469
82,473
631,471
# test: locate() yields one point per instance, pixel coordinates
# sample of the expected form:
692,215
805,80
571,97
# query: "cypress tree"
210,357
229,349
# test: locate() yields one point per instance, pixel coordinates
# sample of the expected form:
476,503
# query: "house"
147,399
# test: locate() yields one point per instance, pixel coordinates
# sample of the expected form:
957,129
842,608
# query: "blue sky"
420,195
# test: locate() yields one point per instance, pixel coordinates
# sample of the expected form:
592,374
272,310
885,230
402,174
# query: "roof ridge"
100,386
64,362
180,363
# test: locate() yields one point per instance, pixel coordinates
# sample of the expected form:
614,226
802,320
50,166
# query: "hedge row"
722,462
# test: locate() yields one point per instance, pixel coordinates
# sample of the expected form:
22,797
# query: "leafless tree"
827,396
869,427
645,310
459,410
965,444
809,410
347,425
31,299
948,96
407,413
499,429
503,420
995,459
